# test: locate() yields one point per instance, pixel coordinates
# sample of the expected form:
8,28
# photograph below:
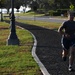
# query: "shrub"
62,11
51,12
41,11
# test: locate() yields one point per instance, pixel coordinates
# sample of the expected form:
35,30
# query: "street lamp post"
1,5
12,39
1,15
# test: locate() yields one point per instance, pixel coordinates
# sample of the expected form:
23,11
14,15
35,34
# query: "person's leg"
71,57
65,46
64,54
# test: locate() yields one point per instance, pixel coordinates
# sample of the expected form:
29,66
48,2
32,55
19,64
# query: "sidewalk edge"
42,67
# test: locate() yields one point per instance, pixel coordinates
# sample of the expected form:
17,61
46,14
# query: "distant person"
67,30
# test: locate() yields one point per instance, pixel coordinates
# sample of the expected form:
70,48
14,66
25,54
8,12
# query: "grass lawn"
17,60
48,25
25,14
29,14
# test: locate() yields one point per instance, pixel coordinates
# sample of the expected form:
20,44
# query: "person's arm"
61,30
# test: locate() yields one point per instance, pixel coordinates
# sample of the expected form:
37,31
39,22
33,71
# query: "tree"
1,6
8,5
25,4
43,4
34,5
2,2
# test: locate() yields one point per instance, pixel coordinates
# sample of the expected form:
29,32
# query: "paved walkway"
48,49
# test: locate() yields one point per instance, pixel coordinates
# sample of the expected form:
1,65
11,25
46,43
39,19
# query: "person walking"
67,30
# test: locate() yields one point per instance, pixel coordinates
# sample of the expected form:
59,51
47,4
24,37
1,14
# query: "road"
43,18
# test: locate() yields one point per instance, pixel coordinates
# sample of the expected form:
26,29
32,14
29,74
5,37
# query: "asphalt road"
43,18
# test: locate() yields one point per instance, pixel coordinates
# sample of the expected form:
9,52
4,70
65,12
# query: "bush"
51,12
54,13
62,11
41,11
58,12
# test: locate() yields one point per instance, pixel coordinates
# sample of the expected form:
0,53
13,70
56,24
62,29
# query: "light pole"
12,39
34,7
1,5
1,15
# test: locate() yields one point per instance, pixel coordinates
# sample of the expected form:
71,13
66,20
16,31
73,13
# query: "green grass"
49,25
17,60
25,14
29,14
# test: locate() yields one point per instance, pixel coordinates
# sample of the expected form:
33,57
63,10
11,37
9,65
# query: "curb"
42,67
